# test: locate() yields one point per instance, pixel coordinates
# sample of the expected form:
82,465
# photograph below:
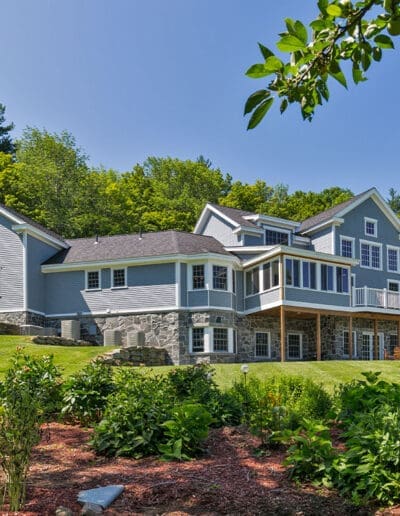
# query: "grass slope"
69,359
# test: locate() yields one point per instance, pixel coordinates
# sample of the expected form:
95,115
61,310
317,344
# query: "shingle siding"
11,268
221,230
322,241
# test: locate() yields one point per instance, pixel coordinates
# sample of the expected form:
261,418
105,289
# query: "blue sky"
137,78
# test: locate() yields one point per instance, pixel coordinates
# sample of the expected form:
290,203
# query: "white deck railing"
379,298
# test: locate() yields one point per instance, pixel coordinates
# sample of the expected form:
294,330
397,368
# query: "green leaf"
318,25
377,53
256,98
259,113
334,10
283,105
273,64
384,41
358,75
257,71
266,52
301,31
337,73
290,44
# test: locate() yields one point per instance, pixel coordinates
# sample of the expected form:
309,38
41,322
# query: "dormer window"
273,237
371,227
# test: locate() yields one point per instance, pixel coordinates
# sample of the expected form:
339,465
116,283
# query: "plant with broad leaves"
345,30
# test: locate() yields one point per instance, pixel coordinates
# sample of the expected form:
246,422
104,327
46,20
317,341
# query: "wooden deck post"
318,336
376,347
283,334
351,344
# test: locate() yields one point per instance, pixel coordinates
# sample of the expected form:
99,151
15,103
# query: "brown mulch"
228,479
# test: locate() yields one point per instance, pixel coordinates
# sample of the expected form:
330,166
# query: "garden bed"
227,479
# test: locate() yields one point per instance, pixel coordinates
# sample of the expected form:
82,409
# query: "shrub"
186,429
86,393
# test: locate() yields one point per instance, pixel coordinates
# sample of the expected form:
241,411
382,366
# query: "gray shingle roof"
324,216
119,247
236,215
32,222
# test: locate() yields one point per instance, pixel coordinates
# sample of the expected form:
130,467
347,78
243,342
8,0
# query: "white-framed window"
392,343
370,227
347,246
276,237
198,276
93,280
370,255
309,271
253,281
327,277
220,277
220,340
263,344
292,272
393,285
393,259
342,280
118,278
294,346
270,275
346,343
197,341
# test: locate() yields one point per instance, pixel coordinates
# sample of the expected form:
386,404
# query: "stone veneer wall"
19,318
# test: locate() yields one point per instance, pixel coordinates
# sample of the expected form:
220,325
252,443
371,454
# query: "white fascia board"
40,235
10,216
246,229
275,221
126,262
380,201
208,207
337,221
254,249
300,253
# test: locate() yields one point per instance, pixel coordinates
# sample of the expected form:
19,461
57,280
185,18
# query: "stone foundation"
21,318
136,356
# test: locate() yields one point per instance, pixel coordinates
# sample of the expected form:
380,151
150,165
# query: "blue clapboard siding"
183,285
353,226
322,241
317,297
261,300
11,268
198,298
221,299
38,252
218,228
149,286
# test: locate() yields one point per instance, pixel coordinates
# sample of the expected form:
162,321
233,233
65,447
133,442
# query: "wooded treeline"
47,177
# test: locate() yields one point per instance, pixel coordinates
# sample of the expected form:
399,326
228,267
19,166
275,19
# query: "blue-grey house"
241,287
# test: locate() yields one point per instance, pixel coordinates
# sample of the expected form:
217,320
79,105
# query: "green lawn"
69,359
326,373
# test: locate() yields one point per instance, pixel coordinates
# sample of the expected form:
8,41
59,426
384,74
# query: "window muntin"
92,280
220,277
118,278
252,281
393,259
346,343
263,344
220,340
342,280
371,227
294,346
392,344
346,247
393,286
197,340
198,277
273,237
326,277
370,255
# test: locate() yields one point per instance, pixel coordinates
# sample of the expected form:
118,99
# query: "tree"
6,143
345,30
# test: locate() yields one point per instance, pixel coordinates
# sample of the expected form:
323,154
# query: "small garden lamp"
245,369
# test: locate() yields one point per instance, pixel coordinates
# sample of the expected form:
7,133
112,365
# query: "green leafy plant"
186,429
86,393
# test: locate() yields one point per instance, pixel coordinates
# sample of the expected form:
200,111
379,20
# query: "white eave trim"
126,262
208,207
247,229
301,253
40,235
337,221
275,221
254,249
9,216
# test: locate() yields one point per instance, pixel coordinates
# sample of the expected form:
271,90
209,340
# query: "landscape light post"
245,369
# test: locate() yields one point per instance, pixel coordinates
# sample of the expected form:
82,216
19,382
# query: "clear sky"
137,78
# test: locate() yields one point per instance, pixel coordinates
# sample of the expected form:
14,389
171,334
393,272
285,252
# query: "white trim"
86,280
393,248
40,235
337,221
25,269
106,264
249,249
9,216
208,207
15,310
178,284
277,230
375,223
125,269
247,229
355,350
333,234
375,244
393,281
299,334
277,221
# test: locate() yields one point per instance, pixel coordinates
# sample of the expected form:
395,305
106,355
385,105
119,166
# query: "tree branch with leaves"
344,30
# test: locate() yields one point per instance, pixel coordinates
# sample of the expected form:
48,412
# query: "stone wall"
136,356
